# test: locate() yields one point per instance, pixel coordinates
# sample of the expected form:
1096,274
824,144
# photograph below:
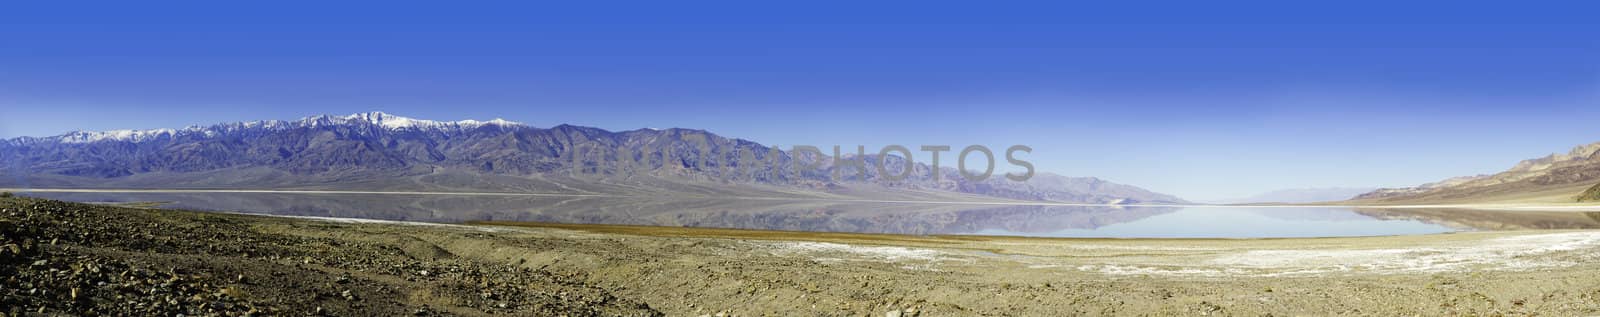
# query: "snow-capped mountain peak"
117,135
394,122
378,118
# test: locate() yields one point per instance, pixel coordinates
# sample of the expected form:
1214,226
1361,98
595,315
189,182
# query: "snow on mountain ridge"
133,135
394,122
385,120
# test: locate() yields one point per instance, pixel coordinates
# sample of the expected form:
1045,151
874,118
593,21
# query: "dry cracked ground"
63,258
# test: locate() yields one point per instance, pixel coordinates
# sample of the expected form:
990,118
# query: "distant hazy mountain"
1553,178
1302,195
378,151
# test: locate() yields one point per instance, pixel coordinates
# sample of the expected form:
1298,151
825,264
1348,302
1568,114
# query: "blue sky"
1205,101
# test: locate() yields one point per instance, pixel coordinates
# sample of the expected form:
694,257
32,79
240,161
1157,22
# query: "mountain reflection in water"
860,217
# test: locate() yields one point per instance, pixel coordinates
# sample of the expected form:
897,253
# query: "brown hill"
1553,178
1593,194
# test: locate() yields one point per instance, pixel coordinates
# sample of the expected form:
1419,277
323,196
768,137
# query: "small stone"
892,313
232,292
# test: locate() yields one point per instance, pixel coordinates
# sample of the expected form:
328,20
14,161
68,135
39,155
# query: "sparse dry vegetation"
1593,194
83,259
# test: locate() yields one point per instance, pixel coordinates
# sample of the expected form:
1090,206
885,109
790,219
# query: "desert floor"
87,259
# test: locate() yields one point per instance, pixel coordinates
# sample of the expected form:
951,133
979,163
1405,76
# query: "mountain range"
1553,178
379,151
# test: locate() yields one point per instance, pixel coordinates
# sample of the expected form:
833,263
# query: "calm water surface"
895,218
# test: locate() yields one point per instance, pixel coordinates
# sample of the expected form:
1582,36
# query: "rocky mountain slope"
1593,194
1553,178
379,151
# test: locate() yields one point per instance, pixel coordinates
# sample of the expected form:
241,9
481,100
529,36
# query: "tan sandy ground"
632,270
1525,272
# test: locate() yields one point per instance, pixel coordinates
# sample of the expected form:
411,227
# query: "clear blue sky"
1198,99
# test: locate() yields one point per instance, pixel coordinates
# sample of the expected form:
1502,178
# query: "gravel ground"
61,258
78,259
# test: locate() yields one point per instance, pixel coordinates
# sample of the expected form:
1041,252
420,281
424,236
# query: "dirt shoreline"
84,259
1543,205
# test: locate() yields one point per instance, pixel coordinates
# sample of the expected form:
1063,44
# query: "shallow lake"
875,217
